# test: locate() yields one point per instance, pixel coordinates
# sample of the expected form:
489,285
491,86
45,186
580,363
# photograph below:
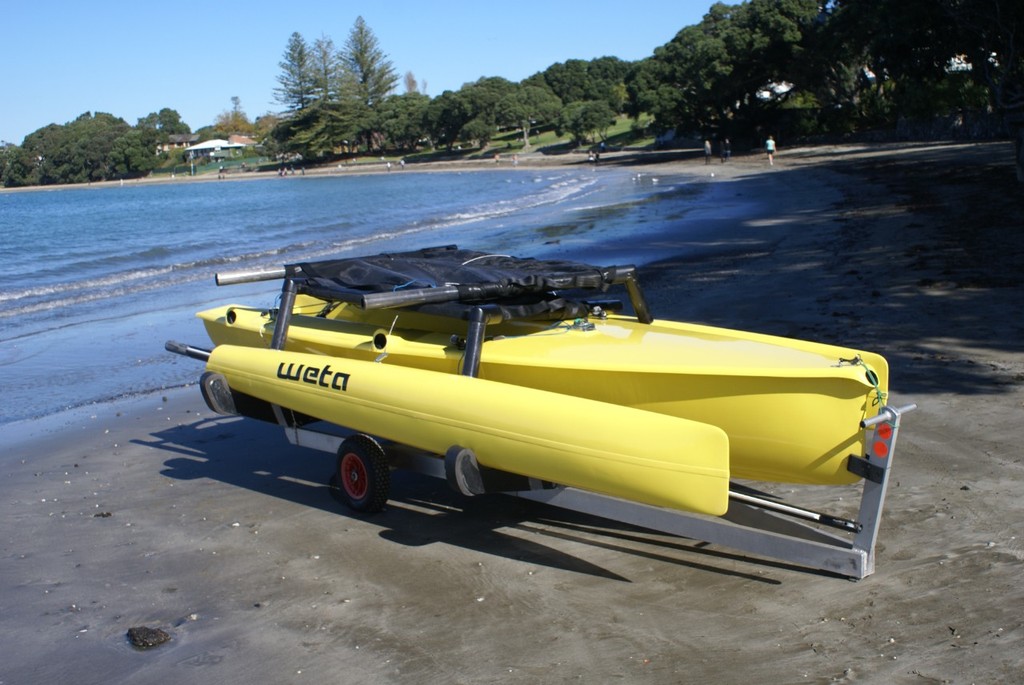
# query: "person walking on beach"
707,151
726,150
769,147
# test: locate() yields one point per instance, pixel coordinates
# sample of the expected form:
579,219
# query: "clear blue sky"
66,57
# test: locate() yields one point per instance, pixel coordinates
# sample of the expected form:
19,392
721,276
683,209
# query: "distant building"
178,141
213,149
774,91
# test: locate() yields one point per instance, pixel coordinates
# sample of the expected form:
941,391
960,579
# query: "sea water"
94,280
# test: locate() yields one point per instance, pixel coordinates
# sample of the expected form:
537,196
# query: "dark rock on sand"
145,637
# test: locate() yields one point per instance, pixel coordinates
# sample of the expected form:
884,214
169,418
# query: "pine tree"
296,90
326,71
372,70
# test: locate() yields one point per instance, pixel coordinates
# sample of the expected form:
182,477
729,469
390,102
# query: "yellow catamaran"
529,367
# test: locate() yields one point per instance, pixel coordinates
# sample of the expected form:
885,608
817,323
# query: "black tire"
363,474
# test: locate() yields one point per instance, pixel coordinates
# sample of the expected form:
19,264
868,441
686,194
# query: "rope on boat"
409,284
870,375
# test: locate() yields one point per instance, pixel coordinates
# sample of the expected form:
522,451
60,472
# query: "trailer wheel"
363,475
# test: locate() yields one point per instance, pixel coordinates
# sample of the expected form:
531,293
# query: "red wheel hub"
353,476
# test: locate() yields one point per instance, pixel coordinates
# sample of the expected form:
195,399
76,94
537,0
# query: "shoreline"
528,160
159,513
690,159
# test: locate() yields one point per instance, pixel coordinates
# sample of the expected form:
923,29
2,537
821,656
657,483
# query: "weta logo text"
325,377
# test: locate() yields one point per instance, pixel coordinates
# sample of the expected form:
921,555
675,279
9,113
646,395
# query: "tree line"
792,68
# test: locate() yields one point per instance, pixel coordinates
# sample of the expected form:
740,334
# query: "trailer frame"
756,525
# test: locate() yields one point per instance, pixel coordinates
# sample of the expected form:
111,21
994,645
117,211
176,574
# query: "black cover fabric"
435,267
523,288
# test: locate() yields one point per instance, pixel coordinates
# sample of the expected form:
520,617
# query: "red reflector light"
885,431
880,449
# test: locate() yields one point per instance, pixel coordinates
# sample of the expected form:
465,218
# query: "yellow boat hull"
791,409
637,455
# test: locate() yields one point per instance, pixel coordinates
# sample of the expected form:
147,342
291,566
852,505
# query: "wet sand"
153,511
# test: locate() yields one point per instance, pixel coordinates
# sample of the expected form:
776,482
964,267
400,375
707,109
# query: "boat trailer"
755,523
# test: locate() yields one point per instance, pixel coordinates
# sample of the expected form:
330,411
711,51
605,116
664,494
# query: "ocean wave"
559,190
119,283
69,295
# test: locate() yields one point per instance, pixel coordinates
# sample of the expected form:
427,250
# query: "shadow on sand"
926,265
422,510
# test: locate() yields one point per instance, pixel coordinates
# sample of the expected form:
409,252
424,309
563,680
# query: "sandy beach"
155,512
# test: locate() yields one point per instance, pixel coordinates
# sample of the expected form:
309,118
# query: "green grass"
624,132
